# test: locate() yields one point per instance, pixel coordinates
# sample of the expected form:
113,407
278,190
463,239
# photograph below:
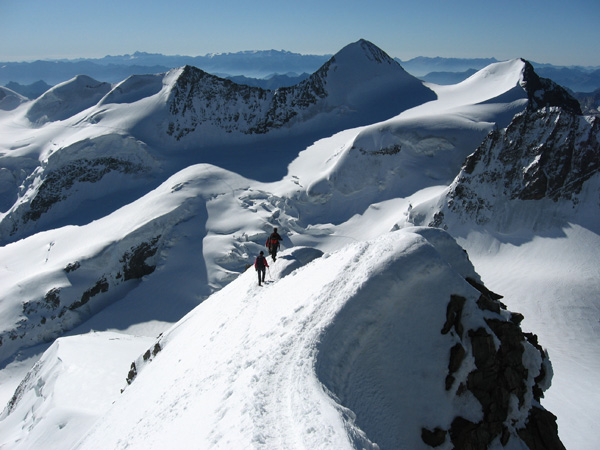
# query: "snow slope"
52,405
185,231
326,357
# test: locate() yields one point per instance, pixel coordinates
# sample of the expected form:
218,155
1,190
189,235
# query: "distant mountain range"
289,67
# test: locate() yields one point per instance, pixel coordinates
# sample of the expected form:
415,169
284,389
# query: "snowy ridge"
10,99
272,339
360,83
67,99
110,224
80,273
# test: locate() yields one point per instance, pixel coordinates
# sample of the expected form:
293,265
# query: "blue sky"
552,31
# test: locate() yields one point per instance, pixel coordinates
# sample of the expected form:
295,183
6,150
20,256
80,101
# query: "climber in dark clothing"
260,265
273,243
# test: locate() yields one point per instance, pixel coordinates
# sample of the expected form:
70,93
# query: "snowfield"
122,243
328,356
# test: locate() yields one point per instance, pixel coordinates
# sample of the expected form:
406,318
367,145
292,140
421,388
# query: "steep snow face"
362,76
299,363
67,99
134,88
498,83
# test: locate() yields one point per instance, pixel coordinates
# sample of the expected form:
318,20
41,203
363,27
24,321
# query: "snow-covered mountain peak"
150,195
361,79
67,99
357,86
517,78
361,51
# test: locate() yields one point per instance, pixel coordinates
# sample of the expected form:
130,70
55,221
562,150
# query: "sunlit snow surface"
264,367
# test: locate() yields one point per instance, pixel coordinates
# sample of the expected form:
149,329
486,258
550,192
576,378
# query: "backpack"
272,241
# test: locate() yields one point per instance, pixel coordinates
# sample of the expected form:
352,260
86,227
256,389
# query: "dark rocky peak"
499,375
191,77
543,92
196,83
548,154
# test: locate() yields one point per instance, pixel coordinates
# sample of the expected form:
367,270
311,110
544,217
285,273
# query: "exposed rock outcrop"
543,92
82,171
505,385
63,307
544,154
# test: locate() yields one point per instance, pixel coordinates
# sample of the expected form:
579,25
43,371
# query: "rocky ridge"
200,102
544,154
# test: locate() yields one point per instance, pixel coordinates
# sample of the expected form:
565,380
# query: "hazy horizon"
545,32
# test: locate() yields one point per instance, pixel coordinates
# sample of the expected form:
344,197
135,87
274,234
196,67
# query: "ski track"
285,417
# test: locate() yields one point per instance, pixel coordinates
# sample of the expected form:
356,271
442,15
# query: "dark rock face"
199,98
141,362
220,105
549,153
134,261
61,309
56,183
541,432
543,92
499,381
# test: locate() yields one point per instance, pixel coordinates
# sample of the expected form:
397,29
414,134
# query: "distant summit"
359,85
67,99
10,99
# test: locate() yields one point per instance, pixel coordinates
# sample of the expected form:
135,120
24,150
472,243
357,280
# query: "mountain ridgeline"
151,193
359,85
